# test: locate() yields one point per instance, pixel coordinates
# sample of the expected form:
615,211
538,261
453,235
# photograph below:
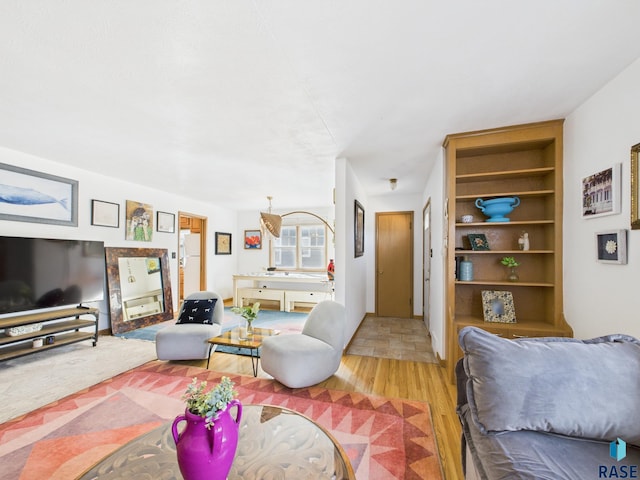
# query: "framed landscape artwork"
601,193
30,196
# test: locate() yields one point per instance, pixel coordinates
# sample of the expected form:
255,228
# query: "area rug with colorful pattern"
385,438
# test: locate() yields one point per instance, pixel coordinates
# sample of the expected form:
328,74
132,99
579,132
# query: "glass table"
275,443
232,338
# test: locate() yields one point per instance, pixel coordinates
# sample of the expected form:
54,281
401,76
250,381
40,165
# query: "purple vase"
207,454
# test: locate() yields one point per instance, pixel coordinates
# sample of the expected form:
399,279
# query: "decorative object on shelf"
511,264
601,193
466,218
207,446
497,208
30,196
331,268
139,221
37,343
166,222
635,188
105,214
523,241
612,246
223,243
249,313
497,306
478,241
252,239
466,270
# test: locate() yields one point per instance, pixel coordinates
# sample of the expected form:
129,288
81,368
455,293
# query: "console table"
274,442
283,287
63,325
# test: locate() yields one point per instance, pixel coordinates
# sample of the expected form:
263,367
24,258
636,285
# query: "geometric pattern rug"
384,438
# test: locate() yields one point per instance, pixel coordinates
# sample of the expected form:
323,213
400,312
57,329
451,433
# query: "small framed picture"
105,214
358,229
497,306
601,193
223,243
252,239
478,241
612,246
166,222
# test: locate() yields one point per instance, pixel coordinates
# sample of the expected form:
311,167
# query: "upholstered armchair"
200,318
302,360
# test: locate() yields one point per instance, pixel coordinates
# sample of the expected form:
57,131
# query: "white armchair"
302,360
188,340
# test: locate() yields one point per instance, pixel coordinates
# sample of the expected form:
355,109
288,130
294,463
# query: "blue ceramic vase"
497,208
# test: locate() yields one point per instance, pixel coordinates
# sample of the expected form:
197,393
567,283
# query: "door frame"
426,265
203,248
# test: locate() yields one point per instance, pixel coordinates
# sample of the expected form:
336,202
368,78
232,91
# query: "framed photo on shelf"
252,239
358,229
223,243
612,246
497,306
105,214
478,241
36,197
166,222
601,193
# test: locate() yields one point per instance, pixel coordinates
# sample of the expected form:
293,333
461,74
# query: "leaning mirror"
635,188
139,287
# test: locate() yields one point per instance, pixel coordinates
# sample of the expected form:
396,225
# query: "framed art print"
252,239
601,193
166,222
105,214
497,306
223,243
478,241
139,221
30,196
635,188
358,229
612,246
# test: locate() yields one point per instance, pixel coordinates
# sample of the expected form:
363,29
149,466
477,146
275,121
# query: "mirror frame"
635,188
118,325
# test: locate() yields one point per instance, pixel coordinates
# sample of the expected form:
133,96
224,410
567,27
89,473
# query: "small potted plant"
511,264
249,313
207,445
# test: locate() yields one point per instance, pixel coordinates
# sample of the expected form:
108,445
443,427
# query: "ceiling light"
393,183
272,222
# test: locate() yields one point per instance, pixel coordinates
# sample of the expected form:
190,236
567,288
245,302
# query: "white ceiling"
230,101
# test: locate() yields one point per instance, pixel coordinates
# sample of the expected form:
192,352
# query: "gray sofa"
549,408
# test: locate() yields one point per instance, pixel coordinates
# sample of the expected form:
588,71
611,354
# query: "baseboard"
356,332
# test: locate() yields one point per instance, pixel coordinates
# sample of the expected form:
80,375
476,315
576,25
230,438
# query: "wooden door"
394,264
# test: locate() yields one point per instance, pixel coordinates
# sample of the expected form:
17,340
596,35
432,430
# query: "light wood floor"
388,377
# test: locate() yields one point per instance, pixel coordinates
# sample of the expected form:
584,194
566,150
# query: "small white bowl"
467,218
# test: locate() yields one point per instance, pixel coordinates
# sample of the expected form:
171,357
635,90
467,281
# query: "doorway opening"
193,254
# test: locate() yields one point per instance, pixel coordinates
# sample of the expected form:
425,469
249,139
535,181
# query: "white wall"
351,272
220,268
601,298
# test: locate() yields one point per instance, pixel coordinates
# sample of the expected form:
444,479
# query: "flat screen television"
41,273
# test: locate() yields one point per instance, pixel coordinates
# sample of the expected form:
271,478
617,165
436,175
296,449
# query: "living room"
599,131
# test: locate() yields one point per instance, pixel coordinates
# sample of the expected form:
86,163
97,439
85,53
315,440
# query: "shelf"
515,223
49,329
526,193
504,175
22,349
45,316
460,253
505,283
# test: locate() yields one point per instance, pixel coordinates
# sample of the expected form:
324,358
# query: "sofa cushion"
197,311
586,389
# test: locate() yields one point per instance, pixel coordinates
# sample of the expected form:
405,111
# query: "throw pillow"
197,311
587,389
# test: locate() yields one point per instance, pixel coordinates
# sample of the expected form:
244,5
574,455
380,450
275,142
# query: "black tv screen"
40,273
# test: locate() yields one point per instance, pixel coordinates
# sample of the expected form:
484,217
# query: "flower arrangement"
249,313
509,262
207,404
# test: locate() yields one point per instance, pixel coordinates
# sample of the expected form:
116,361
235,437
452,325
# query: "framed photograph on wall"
223,243
252,239
105,214
30,196
358,229
139,221
612,246
601,192
497,306
635,188
166,222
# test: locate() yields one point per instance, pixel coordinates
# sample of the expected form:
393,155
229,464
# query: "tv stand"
64,325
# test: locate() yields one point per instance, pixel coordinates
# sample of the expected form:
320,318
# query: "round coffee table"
275,443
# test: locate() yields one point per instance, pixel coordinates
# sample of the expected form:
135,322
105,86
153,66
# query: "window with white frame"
300,247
